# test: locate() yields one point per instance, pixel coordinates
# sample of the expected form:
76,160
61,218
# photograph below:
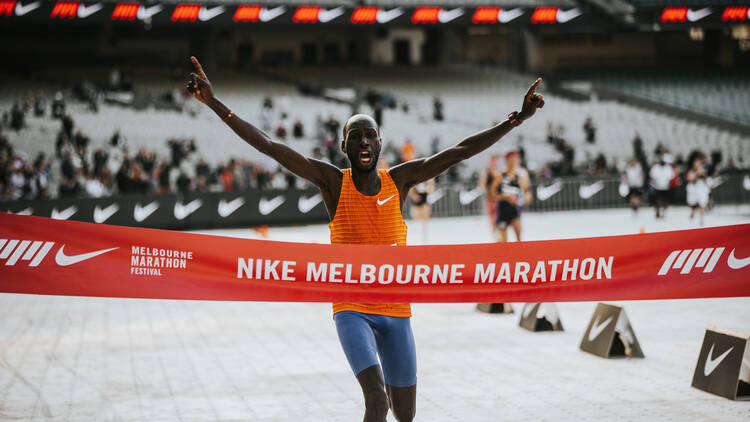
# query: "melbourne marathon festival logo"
151,261
16,251
688,260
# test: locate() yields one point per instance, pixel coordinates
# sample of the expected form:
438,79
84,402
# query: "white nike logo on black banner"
385,16
102,215
588,191
207,14
64,214
86,11
141,213
305,204
182,211
467,197
266,206
228,208
22,10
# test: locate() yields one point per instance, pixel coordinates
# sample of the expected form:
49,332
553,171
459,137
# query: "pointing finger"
198,67
533,86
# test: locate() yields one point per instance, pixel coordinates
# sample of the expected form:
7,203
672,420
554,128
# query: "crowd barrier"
278,207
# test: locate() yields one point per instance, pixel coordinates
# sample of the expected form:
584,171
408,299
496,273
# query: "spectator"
281,133
58,106
80,141
408,152
299,129
437,109
590,130
17,117
69,187
661,175
162,176
40,104
94,187
183,183
634,180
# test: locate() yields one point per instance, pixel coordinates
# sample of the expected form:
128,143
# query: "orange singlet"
370,220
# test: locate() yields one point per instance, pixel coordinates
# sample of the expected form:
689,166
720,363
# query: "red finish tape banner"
45,256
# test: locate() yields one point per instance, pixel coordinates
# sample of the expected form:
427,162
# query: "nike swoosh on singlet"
385,200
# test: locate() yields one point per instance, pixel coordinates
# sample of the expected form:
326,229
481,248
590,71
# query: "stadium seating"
720,94
473,97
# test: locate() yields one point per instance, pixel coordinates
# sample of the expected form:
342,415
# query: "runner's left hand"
531,101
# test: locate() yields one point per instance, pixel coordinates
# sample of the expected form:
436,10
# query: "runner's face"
362,143
513,161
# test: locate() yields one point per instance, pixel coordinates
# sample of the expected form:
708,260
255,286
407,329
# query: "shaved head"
360,120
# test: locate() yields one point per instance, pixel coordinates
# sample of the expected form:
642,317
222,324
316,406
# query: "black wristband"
514,120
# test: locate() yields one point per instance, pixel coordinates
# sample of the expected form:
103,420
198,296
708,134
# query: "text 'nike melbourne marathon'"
599,268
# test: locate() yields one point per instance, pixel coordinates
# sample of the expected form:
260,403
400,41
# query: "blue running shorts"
365,337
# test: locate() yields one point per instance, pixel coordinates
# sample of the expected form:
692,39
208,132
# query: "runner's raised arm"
321,174
416,171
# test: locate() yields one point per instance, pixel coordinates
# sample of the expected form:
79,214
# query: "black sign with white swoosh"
197,210
609,334
720,365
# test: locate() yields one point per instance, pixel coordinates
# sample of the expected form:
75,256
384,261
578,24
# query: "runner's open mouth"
365,157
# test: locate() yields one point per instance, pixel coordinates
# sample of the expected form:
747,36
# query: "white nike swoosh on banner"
385,200
307,204
544,193
385,16
102,215
64,260
182,211
466,198
64,214
712,363
696,15
435,196
148,12
736,263
329,15
527,310
506,16
445,16
715,182
22,10
266,206
597,328
27,211
586,192
564,16
267,15
207,14
141,213
227,208
746,179
84,11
